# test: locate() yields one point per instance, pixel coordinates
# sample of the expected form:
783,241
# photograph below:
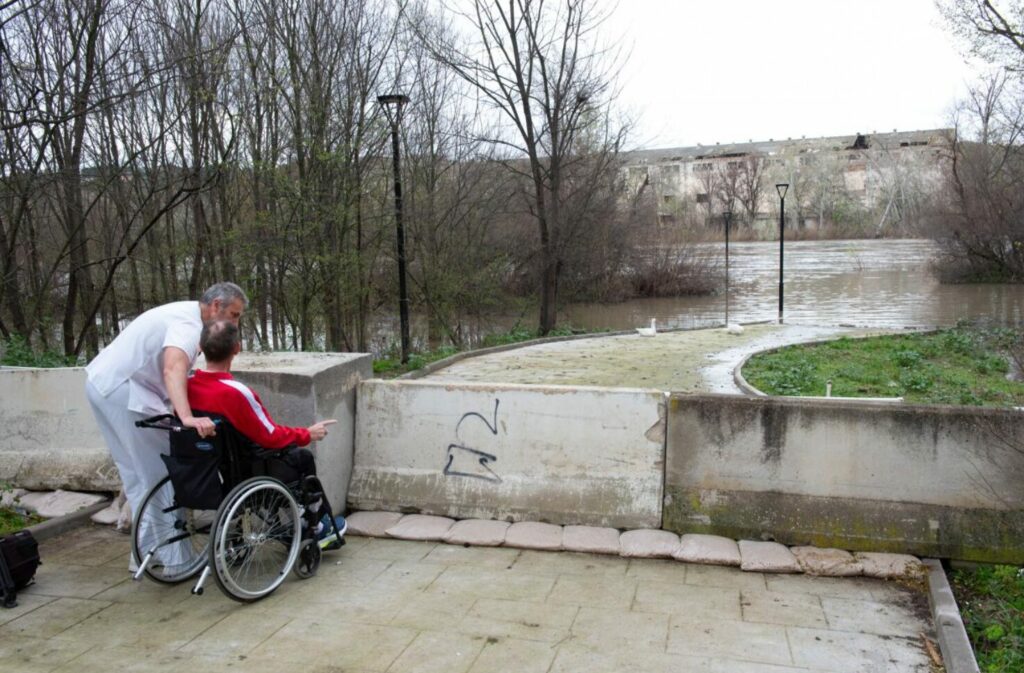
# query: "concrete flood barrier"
49,438
927,480
566,455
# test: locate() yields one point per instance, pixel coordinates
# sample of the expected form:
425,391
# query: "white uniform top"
136,355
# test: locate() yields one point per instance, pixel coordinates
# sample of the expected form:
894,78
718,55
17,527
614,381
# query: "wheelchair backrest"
204,469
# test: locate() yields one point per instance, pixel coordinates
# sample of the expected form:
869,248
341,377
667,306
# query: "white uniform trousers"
136,453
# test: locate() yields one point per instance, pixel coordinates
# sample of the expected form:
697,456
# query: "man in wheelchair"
216,392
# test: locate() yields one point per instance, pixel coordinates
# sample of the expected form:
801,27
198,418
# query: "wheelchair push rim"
256,539
177,536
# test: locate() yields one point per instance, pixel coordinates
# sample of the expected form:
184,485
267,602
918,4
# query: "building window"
703,198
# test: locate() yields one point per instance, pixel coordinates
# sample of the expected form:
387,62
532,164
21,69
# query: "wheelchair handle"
166,422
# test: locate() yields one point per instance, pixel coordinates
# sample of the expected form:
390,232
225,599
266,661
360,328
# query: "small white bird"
647,331
734,329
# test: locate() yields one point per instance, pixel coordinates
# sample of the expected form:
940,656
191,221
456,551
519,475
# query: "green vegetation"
964,365
12,520
391,366
18,353
991,601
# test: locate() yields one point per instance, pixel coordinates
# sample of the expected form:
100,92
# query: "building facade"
877,179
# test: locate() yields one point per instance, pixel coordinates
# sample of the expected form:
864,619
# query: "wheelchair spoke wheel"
178,536
256,539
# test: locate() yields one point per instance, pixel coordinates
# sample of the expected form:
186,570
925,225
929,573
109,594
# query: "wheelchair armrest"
166,422
161,422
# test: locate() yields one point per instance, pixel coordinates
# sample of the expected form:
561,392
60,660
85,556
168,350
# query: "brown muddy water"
868,284
862,283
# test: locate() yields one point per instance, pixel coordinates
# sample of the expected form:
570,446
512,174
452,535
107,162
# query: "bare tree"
750,189
982,224
539,66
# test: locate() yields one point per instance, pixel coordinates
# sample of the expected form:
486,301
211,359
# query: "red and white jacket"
219,393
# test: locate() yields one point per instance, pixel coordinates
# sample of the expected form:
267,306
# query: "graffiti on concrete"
464,460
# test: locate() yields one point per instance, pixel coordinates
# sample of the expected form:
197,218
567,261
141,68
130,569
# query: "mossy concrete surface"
928,480
981,535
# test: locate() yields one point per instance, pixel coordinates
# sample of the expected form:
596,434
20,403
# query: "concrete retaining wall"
49,439
542,453
930,480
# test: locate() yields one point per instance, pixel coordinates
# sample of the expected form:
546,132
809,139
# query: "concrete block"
591,539
957,652
767,557
302,388
53,504
849,475
828,562
477,532
372,524
564,455
711,549
421,527
534,535
887,566
648,543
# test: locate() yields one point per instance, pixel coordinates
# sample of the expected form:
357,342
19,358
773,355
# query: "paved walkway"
387,605
682,361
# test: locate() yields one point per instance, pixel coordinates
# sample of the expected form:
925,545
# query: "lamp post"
727,216
393,104
782,188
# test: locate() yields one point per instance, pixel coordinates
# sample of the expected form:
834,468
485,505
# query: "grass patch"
11,521
391,366
964,365
991,601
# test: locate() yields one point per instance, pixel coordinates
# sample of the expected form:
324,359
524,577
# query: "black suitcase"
19,558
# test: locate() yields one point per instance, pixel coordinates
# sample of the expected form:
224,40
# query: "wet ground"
408,607
680,361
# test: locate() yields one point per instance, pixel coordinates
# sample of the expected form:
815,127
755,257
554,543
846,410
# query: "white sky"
706,71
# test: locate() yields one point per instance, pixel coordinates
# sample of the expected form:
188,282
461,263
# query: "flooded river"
863,283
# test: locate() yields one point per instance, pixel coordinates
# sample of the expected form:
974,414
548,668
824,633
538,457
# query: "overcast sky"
706,71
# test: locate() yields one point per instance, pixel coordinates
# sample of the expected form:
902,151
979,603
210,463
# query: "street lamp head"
393,99
782,188
393,104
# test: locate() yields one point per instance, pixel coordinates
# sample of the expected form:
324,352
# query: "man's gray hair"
226,292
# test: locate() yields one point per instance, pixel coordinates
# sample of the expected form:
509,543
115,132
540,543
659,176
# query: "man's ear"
237,349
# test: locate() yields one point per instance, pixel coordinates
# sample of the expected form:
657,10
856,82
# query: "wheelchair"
230,509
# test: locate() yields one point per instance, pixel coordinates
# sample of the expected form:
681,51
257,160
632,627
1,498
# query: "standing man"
143,372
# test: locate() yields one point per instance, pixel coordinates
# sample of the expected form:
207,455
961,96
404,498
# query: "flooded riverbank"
863,283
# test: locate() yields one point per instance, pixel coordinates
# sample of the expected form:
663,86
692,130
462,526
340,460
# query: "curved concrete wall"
931,480
564,455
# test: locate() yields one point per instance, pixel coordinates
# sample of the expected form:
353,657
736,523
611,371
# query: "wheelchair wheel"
177,536
256,539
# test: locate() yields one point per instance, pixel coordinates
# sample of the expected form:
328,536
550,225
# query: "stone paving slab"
390,606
